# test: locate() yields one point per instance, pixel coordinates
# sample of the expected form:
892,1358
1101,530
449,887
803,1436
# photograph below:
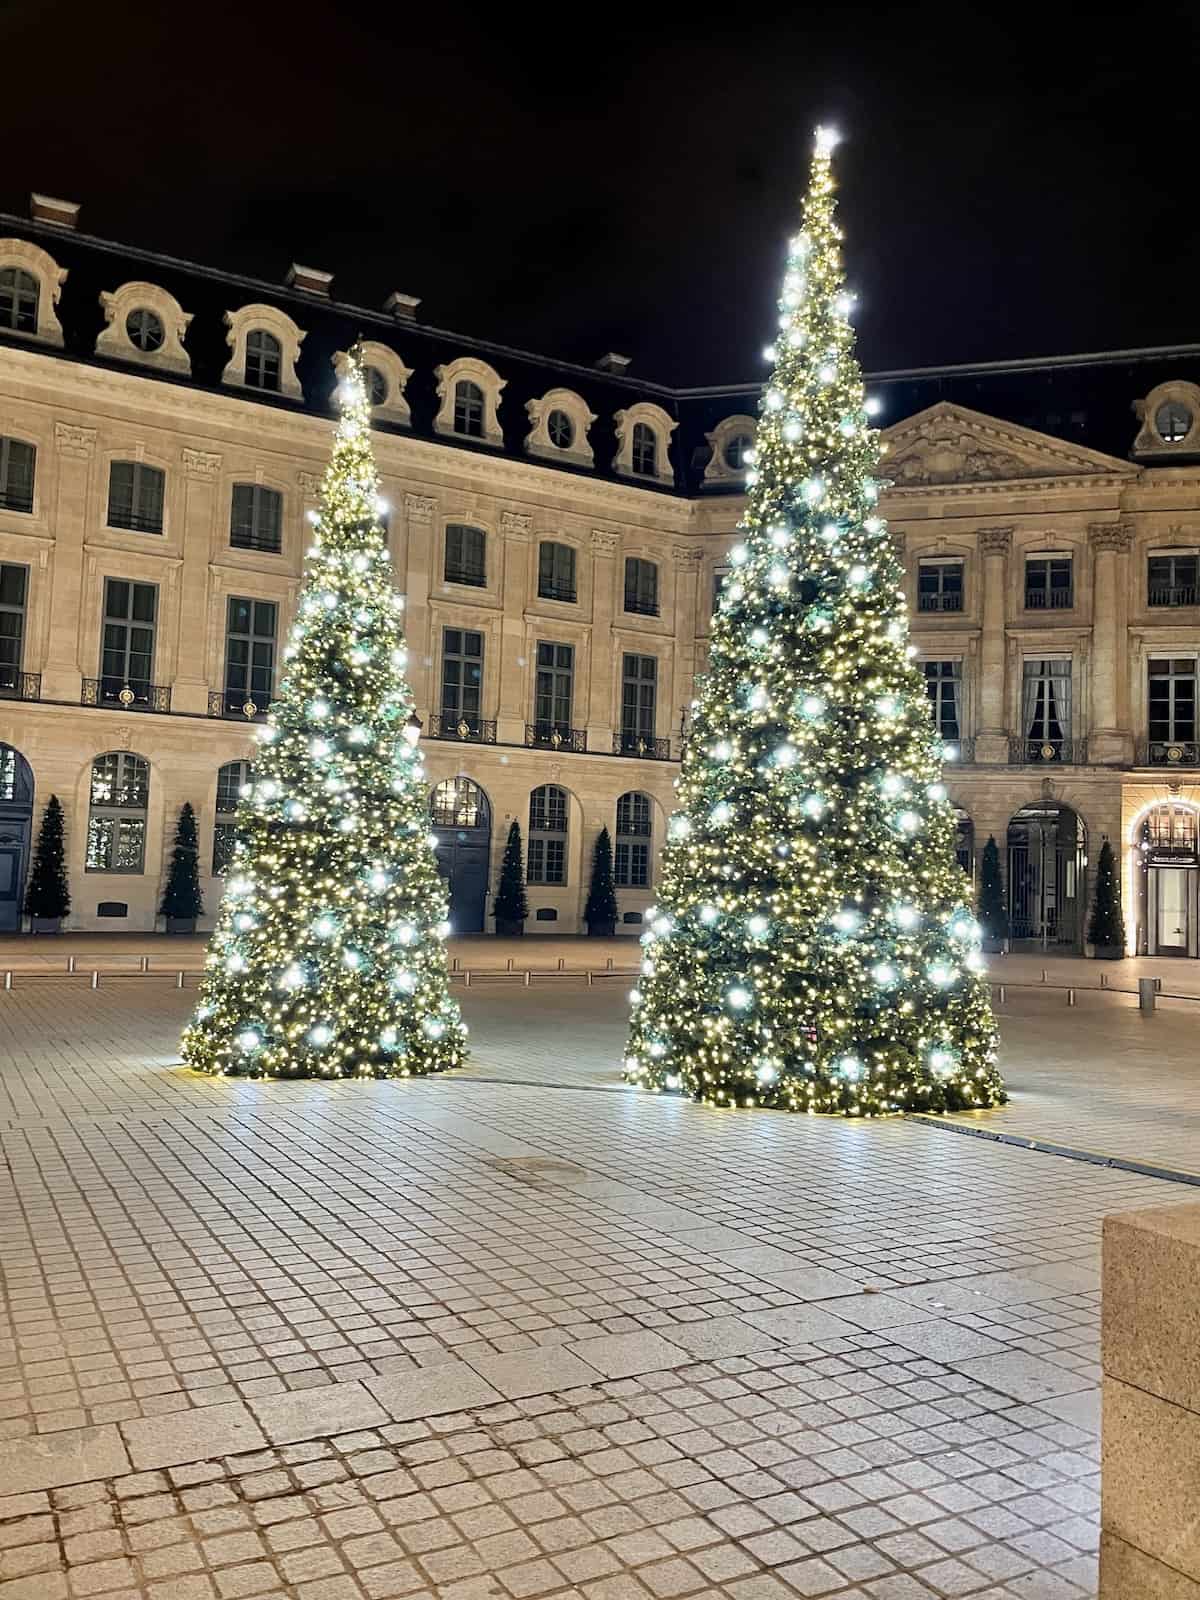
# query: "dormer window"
735,451
644,453
264,358
384,378
1173,421
468,409
560,430
18,300
145,330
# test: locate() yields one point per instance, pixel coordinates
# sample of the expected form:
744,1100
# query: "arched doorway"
462,820
16,829
1168,890
1047,877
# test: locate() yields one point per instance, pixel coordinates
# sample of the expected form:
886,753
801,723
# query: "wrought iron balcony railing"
246,705
264,541
464,572
16,498
1049,599
1040,752
555,736
18,685
119,695
641,605
939,602
1168,753
1173,594
549,590
459,725
642,745
960,751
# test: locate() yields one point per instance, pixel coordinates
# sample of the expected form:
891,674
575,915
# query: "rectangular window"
1048,583
127,640
547,860
556,572
1172,580
641,586
1172,699
135,496
115,844
14,583
465,556
631,865
16,475
462,677
943,685
939,586
554,688
1046,709
256,519
639,687
249,655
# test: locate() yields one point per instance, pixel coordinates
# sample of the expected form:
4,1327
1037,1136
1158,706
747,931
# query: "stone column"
516,533
191,687
601,691
991,738
62,670
415,583
688,563
1108,742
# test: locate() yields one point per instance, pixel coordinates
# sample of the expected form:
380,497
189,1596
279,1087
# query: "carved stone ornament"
686,557
516,524
201,463
995,541
418,507
1116,536
604,543
951,444
78,443
122,737
310,484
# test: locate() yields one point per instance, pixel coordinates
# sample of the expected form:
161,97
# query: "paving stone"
716,1337
432,1391
537,1372
623,1355
314,1413
50,1460
1024,1377
194,1435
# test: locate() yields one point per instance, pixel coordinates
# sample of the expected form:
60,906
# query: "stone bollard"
1150,1484
1147,990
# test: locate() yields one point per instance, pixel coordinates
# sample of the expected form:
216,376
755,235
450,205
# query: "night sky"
612,176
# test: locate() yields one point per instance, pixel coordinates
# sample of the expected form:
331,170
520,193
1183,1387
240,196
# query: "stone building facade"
560,534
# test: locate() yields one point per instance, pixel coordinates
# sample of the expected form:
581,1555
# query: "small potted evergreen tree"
510,908
993,917
600,913
1106,931
47,899
182,902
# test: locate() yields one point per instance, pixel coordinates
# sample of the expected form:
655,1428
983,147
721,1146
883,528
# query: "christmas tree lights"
328,958
813,947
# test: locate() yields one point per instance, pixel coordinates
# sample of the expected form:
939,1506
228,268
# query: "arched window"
120,795
631,867
256,519
17,461
547,856
377,385
468,409
641,586
457,803
232,778
135,496
735,450
644,454
19,292
264,360
556,572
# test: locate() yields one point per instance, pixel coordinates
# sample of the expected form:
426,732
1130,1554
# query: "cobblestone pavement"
524,1333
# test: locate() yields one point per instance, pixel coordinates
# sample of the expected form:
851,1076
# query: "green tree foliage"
47,894
510,904
993,916
1107,926
601,907
181,898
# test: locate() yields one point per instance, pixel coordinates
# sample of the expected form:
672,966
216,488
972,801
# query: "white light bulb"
779,577
846,921
757,925
319,710
351,959
825,139
873,406
781,538
785,755
757,698
908,821
851,1068
721,813
814,807
359,658
319,749
378,881
672,1080
893,783
883,973
766,1073
443,930
858,575
433,841
739,555
324,927
266,735
886,706
292,977
906,916
680,826
812,706
721,751
348,825
248,1039
936,791
708,915
738,998
792,431
313,517
243,922
814,490
774,400
827,373
941,975
404,980
975,961
769,352
320,1035
759,637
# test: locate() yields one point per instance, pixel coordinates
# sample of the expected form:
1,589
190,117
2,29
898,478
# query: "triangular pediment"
949,444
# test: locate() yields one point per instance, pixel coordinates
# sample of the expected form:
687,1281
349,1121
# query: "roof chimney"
402,306
62,213
309,280
612,362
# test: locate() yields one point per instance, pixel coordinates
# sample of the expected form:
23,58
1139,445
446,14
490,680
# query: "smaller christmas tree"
48,899
510,907
1106,931
182,900
600,913
993,918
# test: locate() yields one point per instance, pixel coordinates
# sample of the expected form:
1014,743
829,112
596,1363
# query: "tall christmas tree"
812,947
328,956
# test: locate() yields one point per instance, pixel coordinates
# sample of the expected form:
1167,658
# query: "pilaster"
415,581
601,690
1108,742
62,673
991,739
189,692
516,533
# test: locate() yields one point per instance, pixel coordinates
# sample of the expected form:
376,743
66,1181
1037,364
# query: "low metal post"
508,965
1043,974
1146,994
562,964
1104,980
590,977
179,980
144,965
8,980
70,963
528,976
1003,994
1158,985
95,980
467,977
608,965
1070,997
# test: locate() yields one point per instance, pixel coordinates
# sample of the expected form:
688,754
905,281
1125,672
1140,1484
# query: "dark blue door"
462,820
16,826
